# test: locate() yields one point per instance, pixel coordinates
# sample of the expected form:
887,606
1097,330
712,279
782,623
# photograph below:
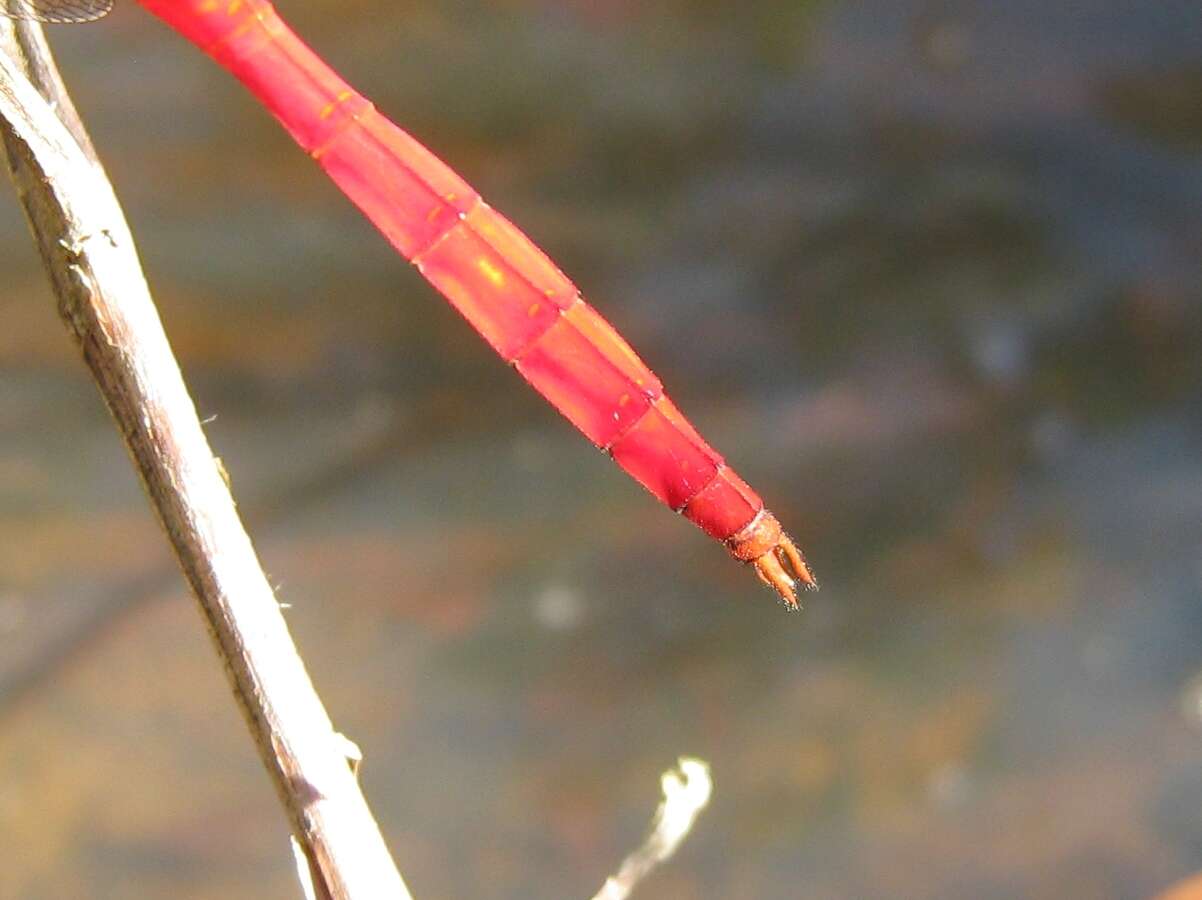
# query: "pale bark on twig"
102,296
687,789
25,43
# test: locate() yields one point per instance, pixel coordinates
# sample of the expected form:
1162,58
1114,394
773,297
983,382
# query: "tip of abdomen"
776,559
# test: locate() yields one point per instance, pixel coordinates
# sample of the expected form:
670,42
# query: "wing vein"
55,11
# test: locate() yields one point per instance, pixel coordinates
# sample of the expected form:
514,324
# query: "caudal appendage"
776,559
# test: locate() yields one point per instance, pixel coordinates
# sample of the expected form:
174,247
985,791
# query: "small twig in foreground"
687,790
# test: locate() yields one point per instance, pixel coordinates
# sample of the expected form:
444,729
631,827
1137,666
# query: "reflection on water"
928,272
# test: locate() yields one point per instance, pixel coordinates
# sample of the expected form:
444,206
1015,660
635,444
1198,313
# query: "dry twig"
686,790
102,296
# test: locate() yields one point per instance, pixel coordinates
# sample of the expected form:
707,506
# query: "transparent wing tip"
56,12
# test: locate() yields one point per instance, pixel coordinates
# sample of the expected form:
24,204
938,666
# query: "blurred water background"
927,272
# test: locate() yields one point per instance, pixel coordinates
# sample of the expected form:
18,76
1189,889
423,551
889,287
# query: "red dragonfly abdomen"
503,284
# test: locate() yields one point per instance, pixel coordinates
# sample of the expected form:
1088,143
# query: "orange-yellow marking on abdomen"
328,109
491,272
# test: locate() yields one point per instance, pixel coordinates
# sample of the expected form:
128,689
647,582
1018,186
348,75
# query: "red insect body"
509,291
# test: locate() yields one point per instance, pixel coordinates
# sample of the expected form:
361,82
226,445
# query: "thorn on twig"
350,750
